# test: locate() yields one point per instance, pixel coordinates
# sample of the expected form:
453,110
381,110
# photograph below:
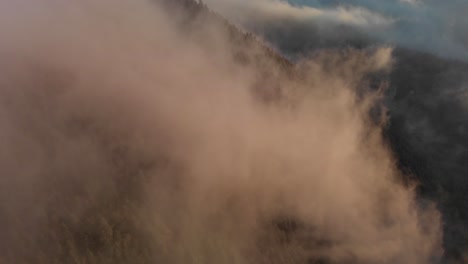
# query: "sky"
438,27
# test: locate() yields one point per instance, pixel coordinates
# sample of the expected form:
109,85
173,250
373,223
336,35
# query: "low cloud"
124,138
242,11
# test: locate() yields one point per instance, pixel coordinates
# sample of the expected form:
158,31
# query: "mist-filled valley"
177,131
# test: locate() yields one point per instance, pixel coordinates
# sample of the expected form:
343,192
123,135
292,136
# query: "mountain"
428,118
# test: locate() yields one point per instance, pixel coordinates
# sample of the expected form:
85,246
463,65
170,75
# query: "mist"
127,139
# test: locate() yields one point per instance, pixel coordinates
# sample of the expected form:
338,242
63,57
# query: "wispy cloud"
411,2
352,15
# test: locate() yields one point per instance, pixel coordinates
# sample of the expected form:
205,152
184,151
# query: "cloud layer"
355,16
126,139
432,26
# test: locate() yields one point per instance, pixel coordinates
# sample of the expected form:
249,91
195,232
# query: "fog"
127,139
